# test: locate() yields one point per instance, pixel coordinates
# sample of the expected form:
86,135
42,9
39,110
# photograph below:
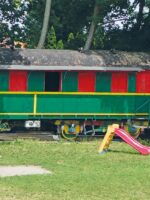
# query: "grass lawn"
78,172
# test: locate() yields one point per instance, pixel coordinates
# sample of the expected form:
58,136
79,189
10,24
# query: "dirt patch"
22,170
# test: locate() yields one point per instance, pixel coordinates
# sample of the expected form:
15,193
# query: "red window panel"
143,81
18,80
119,82
86,81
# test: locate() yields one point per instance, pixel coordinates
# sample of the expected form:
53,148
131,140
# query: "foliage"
60,44
33,22
70,41
51,39
51,42
121,24
12,14
145,142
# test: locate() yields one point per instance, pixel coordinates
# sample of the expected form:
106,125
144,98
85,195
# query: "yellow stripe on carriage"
35,104
95,114
76,93
79,114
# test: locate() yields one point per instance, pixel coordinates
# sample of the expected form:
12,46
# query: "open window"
52,81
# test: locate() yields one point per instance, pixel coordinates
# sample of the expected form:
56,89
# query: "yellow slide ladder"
108,138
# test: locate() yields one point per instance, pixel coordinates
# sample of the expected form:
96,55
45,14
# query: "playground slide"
132,142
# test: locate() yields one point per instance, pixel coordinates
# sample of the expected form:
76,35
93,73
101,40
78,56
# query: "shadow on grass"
125,152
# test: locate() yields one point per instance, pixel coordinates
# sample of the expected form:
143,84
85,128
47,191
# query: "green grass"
78,172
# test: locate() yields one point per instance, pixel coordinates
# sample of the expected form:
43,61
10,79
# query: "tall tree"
140,14
45,24
92,27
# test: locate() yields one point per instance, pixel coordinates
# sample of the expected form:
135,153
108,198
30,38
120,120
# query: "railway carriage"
74,93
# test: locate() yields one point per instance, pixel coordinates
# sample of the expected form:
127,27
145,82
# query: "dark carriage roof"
42,59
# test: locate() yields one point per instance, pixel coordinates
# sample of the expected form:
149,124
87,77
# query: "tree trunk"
140,14
45,24
92,28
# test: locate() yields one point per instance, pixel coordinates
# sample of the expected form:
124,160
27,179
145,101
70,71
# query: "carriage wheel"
70,133
134,132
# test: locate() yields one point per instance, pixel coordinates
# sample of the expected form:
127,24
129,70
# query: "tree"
60,44
12,14
92,27
45,24
100,24
66,16
51,39
140,14
70,41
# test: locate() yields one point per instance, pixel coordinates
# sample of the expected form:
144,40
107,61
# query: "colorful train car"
74,92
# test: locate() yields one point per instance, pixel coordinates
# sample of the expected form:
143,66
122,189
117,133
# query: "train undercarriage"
72,129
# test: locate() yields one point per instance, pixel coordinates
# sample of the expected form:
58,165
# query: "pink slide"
132,142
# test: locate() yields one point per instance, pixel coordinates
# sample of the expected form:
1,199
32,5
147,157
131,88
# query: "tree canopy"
116,24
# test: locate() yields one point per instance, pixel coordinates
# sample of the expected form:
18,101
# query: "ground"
78,171
21,170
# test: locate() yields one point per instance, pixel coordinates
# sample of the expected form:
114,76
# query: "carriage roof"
44,59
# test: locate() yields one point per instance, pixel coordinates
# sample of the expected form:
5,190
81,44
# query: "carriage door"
52,81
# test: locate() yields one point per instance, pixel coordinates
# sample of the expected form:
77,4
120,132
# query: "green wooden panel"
36,81
70,81
103,82
73,104
131,82
4,80
92,104
16,103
